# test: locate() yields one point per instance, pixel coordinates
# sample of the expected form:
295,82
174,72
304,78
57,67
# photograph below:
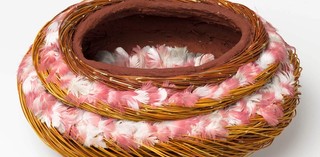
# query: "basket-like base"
241,141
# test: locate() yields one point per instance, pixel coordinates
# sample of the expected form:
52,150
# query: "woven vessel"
158,78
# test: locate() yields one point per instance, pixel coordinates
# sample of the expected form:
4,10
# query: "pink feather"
48,55
187,123
198,129
69,117
113,99
52,78
109,127
75,134
270,109
240,116
163,133
137,49
272,113
126,141
206,58
288,87
91,118
185,98
246,106
217,131
47,101
120,99
162,49
25,68
48,59
101,92
154,93
213,90
278,50
228,85
161,56
74,100
65,80
249,72
60,67
152,59
30,97
140,55
181,127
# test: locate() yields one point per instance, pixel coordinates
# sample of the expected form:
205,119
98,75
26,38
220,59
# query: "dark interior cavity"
202,27
127,32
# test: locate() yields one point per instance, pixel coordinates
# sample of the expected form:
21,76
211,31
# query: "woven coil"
203,106
240,140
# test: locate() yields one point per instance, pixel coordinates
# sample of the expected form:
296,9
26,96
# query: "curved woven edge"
241,141
148,112
122,82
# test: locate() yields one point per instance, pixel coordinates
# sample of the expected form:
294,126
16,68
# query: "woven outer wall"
147,112
241,140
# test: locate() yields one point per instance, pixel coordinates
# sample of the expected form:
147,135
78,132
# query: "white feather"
232,120
154,56
134,62
120,52
274,37
197,128
203,91
177,57
98,141
143,134
218,93
105,56
51,38
45,119
165,54
197,61
142,96
133,104
54,26
123,127
215,124
206,58
93,135
56,117
286,78
265,60
275,87
122,57
163,96
242,78
80,86
27,85
252,102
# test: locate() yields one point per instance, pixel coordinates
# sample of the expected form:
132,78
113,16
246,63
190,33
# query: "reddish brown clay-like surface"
203,28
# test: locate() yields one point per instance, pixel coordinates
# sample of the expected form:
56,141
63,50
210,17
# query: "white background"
297,21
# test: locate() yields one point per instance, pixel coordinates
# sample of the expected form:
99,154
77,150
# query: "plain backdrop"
297,21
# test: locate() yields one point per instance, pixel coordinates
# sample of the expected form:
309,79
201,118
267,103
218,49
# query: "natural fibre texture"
231,109
212,76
